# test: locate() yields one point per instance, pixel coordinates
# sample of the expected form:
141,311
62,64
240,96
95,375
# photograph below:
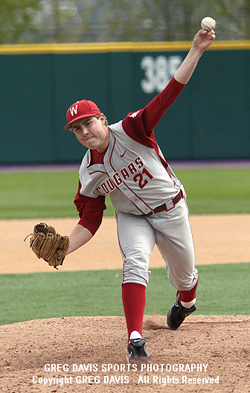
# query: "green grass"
37,194
51,194
217,191
223,289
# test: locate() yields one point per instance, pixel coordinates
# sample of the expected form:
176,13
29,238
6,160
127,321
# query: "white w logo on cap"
73,110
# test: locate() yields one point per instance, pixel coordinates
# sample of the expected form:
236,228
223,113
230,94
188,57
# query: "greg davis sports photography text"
118,374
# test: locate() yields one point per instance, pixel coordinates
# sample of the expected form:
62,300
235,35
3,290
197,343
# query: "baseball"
208,23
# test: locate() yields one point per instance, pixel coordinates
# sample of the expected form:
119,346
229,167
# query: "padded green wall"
209,120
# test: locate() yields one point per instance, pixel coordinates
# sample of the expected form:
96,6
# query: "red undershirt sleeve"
90,210
154,111
140,125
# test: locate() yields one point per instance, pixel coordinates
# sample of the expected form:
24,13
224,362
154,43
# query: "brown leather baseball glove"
48,245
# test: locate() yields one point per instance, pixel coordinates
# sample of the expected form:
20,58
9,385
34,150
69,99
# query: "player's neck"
103,147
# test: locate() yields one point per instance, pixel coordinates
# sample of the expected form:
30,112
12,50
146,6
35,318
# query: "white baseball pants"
171,232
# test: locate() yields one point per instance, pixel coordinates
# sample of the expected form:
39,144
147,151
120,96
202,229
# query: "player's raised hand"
203,39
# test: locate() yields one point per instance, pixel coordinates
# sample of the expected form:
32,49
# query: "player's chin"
89,143
93,145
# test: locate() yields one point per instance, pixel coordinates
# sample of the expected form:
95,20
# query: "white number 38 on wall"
158,72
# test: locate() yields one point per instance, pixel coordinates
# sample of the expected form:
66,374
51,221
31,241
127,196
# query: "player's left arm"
91,213
78,237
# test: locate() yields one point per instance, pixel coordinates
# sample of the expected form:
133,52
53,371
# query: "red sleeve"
140,125
157,107
90,210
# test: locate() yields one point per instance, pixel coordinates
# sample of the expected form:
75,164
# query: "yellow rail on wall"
105,47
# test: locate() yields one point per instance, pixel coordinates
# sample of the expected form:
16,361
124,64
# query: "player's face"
92,132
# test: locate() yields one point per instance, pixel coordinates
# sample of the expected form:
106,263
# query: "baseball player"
125,161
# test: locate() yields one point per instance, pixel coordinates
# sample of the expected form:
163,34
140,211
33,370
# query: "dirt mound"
83,354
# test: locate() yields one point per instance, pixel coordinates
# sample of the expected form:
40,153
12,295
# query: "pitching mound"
83,354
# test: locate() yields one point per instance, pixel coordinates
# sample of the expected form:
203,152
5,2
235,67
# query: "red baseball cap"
79,110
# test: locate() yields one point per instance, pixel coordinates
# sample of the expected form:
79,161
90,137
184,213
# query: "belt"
167,206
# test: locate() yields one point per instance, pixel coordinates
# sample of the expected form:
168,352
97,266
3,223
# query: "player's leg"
175,242
136,240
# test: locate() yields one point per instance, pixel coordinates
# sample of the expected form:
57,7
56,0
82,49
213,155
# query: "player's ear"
103,119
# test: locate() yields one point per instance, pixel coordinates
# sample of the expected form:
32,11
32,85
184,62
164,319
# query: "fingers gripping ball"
49,245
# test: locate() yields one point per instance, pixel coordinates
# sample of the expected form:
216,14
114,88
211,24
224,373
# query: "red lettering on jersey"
117,178
139,162
142,181
125,173
98,189
132,169
147,173
141,178
110,184
105,188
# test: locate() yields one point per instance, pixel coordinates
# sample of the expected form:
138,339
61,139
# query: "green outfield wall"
209,120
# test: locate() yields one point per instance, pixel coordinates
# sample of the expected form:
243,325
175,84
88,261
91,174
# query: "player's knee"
135,275
186,283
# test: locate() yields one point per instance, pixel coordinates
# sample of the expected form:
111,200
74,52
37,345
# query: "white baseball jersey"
133,170
137,177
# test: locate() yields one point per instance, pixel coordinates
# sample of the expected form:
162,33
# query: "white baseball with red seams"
208,23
